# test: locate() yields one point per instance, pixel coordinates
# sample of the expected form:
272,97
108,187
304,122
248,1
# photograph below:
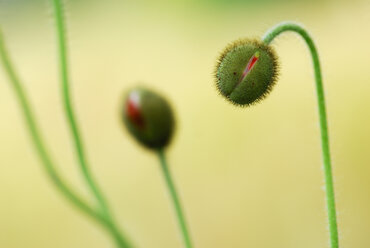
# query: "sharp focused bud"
148,117
246,71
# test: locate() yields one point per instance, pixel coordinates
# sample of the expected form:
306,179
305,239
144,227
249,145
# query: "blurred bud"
148,117
246,71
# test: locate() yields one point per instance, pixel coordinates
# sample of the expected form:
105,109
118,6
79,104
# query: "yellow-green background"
248,177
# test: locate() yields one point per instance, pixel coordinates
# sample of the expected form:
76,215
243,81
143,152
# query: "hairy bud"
246,71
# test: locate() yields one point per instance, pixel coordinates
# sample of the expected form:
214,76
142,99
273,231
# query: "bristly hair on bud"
148,117
246,71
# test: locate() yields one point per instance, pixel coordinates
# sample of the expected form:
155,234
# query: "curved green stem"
68,107
38,140
330,200
43,152
60,29
175,199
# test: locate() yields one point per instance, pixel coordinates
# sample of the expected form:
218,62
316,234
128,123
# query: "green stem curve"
175,199
330,199
84,166
43,152
60,28
38,140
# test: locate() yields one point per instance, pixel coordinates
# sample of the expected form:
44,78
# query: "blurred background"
248,177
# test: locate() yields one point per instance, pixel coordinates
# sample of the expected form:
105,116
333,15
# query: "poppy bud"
246,71
148,117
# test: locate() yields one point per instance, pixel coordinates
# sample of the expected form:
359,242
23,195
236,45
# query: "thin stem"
64,78
43,152
330,200
38,140
58,11
175,199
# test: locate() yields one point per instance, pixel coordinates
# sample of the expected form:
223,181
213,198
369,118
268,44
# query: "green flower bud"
246,71
148,117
